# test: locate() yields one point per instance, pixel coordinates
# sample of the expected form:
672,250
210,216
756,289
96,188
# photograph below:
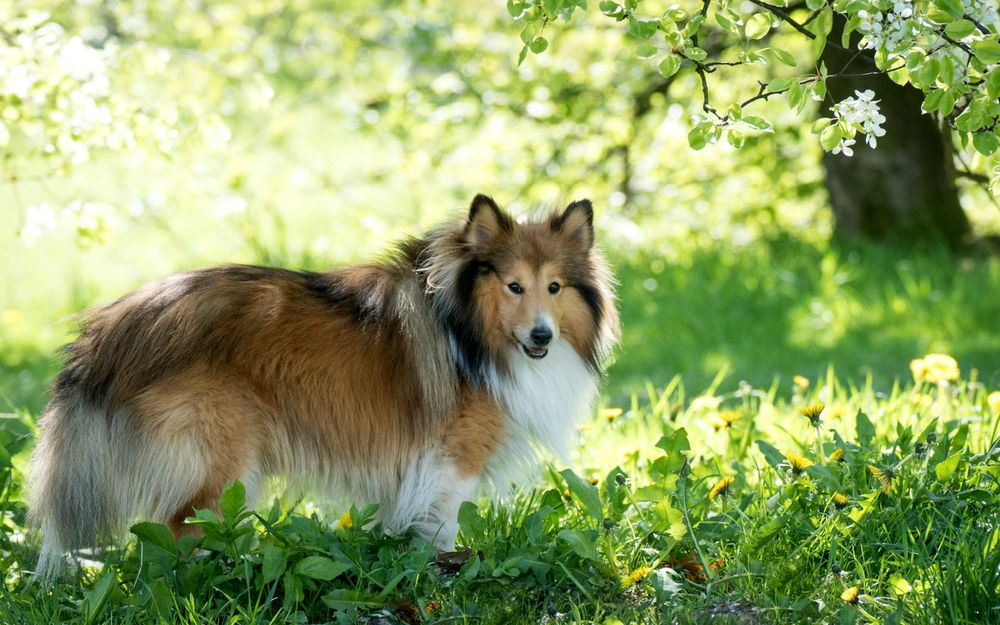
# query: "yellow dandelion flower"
346,521
611,413
993,399
730,416
801,382
851,595
705,402
812,412
592,480
884,477
840,501
721,487
797,462
935,369
837,455
636,576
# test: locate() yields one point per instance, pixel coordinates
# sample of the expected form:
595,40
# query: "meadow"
763,452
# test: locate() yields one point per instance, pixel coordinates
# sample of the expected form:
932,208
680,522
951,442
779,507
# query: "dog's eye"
554,288
515,288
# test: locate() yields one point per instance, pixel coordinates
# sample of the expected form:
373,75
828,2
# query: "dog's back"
235,372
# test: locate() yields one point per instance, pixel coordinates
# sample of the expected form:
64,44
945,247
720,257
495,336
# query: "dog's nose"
541,336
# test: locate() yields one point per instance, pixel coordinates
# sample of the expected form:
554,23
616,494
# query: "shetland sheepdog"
408,383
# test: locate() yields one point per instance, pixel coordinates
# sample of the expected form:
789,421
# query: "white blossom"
862,113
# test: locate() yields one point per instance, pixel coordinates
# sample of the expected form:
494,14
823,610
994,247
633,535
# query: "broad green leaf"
470,520
771,454
960,29
669,65
585,492
643,27
274,563
899,585
645,51
539,45
865,429
98,597
987,50
985,142
155,534
347,599
944,470
233,500
784,56
830,137
758,26
320,567
695,53
953,8
583,543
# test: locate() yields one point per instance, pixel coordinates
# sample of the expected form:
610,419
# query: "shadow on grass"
784,307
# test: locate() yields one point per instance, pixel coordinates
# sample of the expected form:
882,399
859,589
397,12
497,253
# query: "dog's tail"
72,482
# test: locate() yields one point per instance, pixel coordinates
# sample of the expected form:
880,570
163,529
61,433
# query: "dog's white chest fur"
542,401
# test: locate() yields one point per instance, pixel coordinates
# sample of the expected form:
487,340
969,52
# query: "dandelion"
721,487
801,382
592,480
851,595
725,419
840,501
345,520
993,399
635,576
884,477
797,462
610,414
935,369
837,455
812,412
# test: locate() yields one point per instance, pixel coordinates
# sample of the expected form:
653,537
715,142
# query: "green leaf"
675,445
539,45
758,122
758,26
784,56
830,137
97,598
274,563
643,27
155,534
472,523
953,8
346,599
669,65
609,8
960,29
695,53
585,492
583,543
233,501
320,567
987,50
771,454
985,142
645,51
944,470
865,429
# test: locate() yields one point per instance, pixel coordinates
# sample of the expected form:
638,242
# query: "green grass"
759,314
920,547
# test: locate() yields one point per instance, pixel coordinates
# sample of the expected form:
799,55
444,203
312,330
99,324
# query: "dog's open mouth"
535,352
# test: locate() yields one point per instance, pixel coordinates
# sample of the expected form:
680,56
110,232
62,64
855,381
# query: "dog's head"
538,282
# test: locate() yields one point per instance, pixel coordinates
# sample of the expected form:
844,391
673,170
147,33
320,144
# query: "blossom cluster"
861,113
891,30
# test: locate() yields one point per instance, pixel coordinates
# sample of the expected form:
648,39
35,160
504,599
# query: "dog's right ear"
486,221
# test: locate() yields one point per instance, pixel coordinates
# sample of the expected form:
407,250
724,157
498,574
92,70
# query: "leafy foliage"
905,514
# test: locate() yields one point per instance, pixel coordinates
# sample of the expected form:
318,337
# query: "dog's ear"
486,221
578,222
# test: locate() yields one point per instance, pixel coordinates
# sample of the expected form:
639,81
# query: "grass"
632,538
631,533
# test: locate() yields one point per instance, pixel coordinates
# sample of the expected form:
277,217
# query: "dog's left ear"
578,222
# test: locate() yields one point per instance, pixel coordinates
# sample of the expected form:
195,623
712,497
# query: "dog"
409,382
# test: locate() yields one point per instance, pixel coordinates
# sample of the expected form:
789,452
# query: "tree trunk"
903,190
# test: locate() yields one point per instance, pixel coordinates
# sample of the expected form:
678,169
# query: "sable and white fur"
408,383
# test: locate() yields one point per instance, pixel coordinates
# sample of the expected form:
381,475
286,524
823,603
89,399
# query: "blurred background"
142,137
